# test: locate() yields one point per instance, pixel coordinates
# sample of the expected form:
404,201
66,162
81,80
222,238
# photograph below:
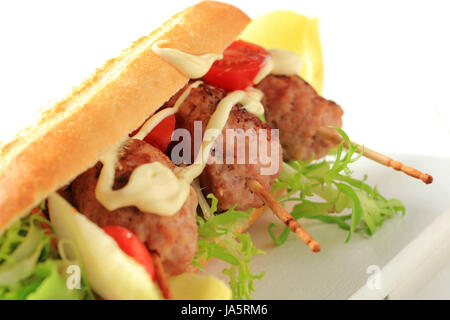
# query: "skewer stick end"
426,178
314,246
397,165
283,215
160,275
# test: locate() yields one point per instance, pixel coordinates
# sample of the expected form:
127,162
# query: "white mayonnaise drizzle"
256,94
265,70
153,187
280,62
192,66
151,123
215,126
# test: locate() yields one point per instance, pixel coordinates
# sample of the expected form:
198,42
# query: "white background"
387,63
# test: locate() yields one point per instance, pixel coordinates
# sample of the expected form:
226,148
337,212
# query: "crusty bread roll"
70,136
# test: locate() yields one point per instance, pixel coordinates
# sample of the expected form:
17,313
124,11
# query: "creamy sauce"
153,187
214,129
285,62
151,123
265,71
192,66
256,94
281,62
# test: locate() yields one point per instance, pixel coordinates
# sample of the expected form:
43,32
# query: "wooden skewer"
283,215
160,274
334,136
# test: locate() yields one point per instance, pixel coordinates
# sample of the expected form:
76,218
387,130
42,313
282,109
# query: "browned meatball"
175,237
294,107
228,181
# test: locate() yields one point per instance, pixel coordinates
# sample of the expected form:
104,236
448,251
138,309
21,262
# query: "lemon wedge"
110,272
190,286
114,275
288,30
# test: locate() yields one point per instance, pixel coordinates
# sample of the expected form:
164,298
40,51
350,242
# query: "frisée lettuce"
31,268
337,192
217,237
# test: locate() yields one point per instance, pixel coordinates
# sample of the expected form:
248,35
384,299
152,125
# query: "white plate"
339,270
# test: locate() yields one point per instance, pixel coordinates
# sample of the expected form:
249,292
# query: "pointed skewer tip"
426,178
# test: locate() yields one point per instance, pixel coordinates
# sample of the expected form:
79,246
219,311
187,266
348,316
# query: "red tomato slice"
161,135
132,246
240,64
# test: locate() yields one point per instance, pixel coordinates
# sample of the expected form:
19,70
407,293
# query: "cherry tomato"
132,246
161,135
240,64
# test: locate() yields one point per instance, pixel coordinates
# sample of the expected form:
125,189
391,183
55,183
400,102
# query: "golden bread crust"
70,135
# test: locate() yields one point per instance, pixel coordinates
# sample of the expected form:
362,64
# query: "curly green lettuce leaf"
218,239
30,267
338,193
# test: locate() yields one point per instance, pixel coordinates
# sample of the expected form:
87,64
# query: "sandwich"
163,159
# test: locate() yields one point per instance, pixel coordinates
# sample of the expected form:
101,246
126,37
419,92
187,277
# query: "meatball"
228,179
175,237
292,105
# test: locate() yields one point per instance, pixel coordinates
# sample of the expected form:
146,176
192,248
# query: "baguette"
70,136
